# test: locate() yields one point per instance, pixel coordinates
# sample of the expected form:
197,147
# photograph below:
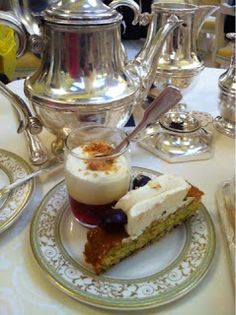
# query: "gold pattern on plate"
12,168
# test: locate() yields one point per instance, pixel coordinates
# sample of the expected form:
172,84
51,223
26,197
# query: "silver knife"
53,163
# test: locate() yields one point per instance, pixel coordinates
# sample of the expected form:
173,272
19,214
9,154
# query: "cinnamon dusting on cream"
96,148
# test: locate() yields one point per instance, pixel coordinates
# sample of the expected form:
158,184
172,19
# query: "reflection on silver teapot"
179,63
84,77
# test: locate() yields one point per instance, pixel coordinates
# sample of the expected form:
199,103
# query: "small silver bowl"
179,137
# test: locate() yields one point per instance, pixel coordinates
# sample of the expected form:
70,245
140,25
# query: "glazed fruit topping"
140,181
113,220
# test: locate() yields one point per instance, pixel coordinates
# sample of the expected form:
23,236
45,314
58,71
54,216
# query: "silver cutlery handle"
52,164
5,190
37,151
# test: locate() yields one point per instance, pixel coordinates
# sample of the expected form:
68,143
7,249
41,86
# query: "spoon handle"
168,98
51,164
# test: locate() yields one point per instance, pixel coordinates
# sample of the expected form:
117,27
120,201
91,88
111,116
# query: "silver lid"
77,12
180,122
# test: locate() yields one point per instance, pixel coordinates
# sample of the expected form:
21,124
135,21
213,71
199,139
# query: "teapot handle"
128,3
26,118
7,18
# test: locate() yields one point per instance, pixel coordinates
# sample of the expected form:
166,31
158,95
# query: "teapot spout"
145,64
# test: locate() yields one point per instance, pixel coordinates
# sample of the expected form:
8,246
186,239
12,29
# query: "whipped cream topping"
156,200
96,183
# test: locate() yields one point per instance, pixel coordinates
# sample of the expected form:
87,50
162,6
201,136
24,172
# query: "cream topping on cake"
156,200
96,181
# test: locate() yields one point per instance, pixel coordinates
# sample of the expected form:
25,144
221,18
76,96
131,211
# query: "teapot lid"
81,12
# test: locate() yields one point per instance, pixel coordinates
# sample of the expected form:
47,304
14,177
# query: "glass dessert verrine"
95,177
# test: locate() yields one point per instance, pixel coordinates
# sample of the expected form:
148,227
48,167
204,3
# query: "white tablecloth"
24,288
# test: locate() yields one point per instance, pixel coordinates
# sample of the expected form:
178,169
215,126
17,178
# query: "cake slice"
151,211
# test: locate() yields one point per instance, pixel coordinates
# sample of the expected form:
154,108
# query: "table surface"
24,289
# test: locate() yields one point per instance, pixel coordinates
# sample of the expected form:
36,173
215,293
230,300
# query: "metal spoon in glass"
168,98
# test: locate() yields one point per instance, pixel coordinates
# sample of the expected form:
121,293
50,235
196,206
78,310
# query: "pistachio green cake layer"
152,233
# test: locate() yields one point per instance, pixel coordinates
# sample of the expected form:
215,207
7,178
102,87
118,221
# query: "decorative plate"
12,168
155,275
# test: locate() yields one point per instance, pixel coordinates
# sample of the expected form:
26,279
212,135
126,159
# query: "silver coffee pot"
179,62
84,77
226,122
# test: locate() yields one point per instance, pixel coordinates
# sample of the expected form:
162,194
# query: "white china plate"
12,168
155,275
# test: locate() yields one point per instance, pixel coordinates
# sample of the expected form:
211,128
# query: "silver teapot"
84,77
179,62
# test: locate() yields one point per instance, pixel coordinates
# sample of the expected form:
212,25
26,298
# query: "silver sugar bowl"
226,122
178,137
